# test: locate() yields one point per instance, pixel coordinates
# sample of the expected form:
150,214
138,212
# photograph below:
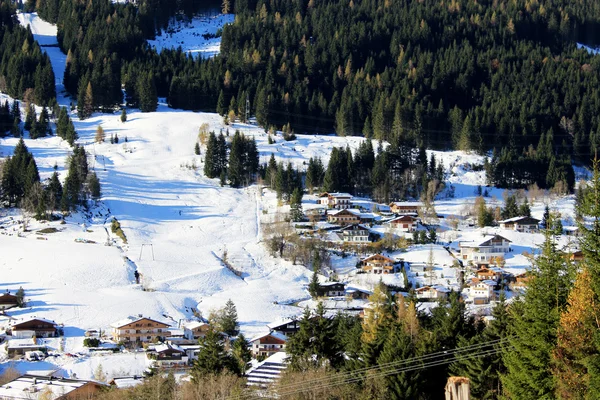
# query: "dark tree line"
238,162
25,71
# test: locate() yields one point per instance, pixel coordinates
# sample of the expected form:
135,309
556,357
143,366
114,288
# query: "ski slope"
178,223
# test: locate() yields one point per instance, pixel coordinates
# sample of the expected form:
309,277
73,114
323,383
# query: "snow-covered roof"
164,347
193,324
279,323
406,203
354,211
482,241
355,227
275,334
330,283
130,320
337,195
34,386
22,321
123,382
517,219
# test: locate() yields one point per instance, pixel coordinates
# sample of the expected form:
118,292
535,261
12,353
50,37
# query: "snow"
589,49
179,224
188,36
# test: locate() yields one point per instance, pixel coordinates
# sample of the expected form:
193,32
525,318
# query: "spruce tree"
241,353
123,115
229,320
197,149
93,185
313,286
296,212
212,358
533,328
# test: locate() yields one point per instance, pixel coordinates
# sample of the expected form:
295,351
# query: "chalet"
432,293
521,281
34,327
483,250
406,223
488,274
287,326
194,330
358,294
126,382
406,207
355,234
168,356
139,329
347,216
378,264
48,387
8,300
571,231
15,347
268,344
576,256
481,291
520,224
331,289
335,200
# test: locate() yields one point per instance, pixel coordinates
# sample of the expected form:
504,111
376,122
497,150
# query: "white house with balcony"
481,291
484,250
355,234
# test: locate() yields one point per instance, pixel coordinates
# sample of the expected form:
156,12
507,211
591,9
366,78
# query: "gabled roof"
131,320
355,227
340,195
16,324
275,334
352,211
403,218
283,322
519,219
32,386
482,241
378,256
406,203
437,288
325,284
166,347
194,324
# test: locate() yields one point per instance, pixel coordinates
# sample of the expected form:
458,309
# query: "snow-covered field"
194,37
178,224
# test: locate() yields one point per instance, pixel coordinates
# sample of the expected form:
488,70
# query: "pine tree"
211,157
93,185
296,212
511,209
533,331
20,294
30,118
229,321
313,286
221,108
123,115
197,149
148,97
212,358
241,353
235,172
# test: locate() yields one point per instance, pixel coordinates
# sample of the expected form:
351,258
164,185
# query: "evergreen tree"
313,286
229,321
212,358
533,328
146,89
241,353
30,118
93,186
511,209
296,212
197,149
123,115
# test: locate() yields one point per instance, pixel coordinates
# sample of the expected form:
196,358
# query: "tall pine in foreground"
533,327
577,355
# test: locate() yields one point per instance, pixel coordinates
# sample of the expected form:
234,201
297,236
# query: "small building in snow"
195,330
347,216
482,251
405,223
520,224
432,293
8,300
331,289
166,356
38,327
287,326
355,234
406,207
378,264
43,387
488,274
335,200
139,329
481,291
268,344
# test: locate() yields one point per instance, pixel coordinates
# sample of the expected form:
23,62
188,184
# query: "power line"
444,356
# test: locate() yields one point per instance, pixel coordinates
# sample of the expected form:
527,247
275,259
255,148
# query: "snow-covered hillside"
178,223
195,37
